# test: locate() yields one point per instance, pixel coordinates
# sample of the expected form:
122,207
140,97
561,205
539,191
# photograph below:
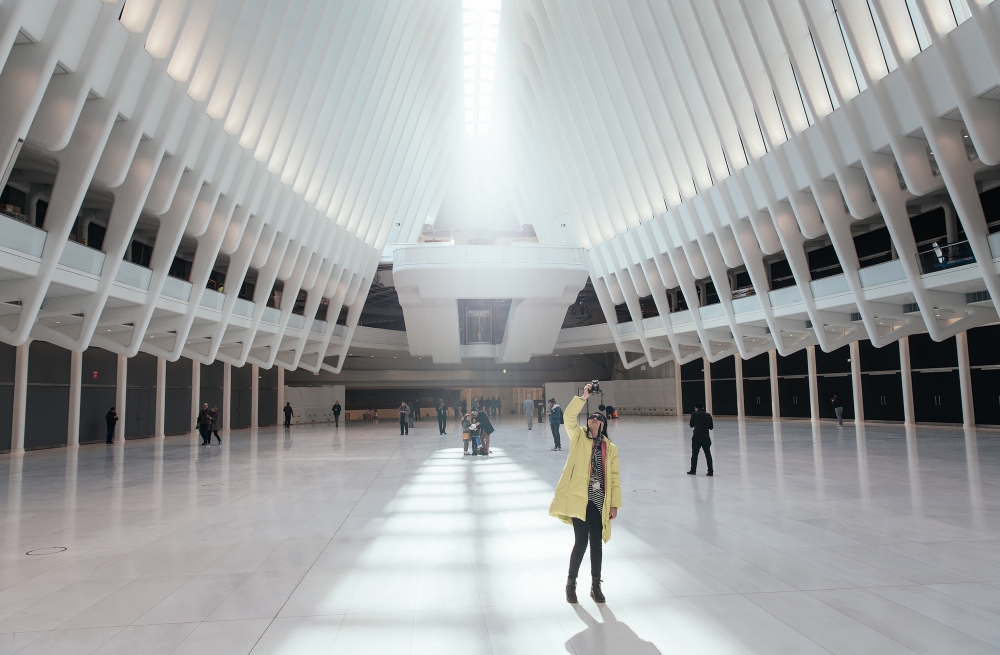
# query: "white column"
678,393
859,399
161,396
75,382
20,397
281,394
120,407
227,395
813,383
965,380
741,409
772,360
254,395
907,375
707,366
195,391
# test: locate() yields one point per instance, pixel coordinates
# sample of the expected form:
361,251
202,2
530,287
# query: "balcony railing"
942,257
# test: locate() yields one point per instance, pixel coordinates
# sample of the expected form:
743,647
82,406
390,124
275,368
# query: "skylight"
481,22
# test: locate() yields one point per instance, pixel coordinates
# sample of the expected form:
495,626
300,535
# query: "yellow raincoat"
570,501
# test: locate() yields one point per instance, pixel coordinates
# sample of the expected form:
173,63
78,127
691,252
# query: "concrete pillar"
281,394
20,397
254,396
772,360
813,383
75,382
907,375
965,380
678,393
707,365
161,396
120,407
741,408
195,392
859,399
227,395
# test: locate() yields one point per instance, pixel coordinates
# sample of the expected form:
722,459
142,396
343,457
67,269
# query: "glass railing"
942,257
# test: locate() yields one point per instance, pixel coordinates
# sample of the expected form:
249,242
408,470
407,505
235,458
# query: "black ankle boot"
571,590
595,591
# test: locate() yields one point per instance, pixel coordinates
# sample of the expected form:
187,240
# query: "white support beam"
707,365
741,404
858,396
161,397
254,396
813,383
227,395
75,383
965,380
772,360
20,397
906,373
121,387
195,393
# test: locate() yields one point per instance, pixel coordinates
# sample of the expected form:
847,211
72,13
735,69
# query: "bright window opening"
481,22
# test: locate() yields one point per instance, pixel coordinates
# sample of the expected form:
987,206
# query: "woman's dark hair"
604,424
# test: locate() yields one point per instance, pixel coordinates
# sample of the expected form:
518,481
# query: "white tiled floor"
810,539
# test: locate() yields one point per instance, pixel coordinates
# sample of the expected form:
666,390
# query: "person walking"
336,413
442,411
838,408
112,418
485,430
555,420
287,409
589,493
529,410
214,426
204,424
404,419
701,421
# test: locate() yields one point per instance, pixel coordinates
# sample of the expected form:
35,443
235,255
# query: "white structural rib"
278,140
691,144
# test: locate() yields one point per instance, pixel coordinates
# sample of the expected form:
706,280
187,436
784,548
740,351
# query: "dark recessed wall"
177,417
46,419
8,357
99,382
211,385
267,396
241,396
140,397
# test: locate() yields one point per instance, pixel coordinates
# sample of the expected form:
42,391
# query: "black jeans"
555,434
404,426
442,422
701,443
589,530
111,434
336,420
206,434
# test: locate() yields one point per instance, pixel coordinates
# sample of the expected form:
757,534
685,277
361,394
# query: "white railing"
882,273
178,289
243,308
829,286
213,300
785,296
134,275
82,258
21,236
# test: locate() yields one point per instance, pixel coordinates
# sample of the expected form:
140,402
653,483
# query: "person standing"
467,436
112,418
465,407
701,421
485,429
589,493
336,413
415,414
838,408
442,411
404,419
499,407
287,409
204,424
529,410
555,420
214,426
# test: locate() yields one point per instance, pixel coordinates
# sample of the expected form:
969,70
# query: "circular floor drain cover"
52,550
213,484
644,491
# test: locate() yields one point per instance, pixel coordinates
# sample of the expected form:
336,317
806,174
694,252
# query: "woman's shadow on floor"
607,636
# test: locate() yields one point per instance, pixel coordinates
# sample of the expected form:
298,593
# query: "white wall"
633,396
314,404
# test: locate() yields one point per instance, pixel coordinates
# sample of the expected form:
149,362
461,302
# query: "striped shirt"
596,490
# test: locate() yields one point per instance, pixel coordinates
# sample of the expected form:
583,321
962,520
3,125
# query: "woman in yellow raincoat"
589,492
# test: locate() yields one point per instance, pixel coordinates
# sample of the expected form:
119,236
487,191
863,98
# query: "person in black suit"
485,429
701,421
336,413
442,411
